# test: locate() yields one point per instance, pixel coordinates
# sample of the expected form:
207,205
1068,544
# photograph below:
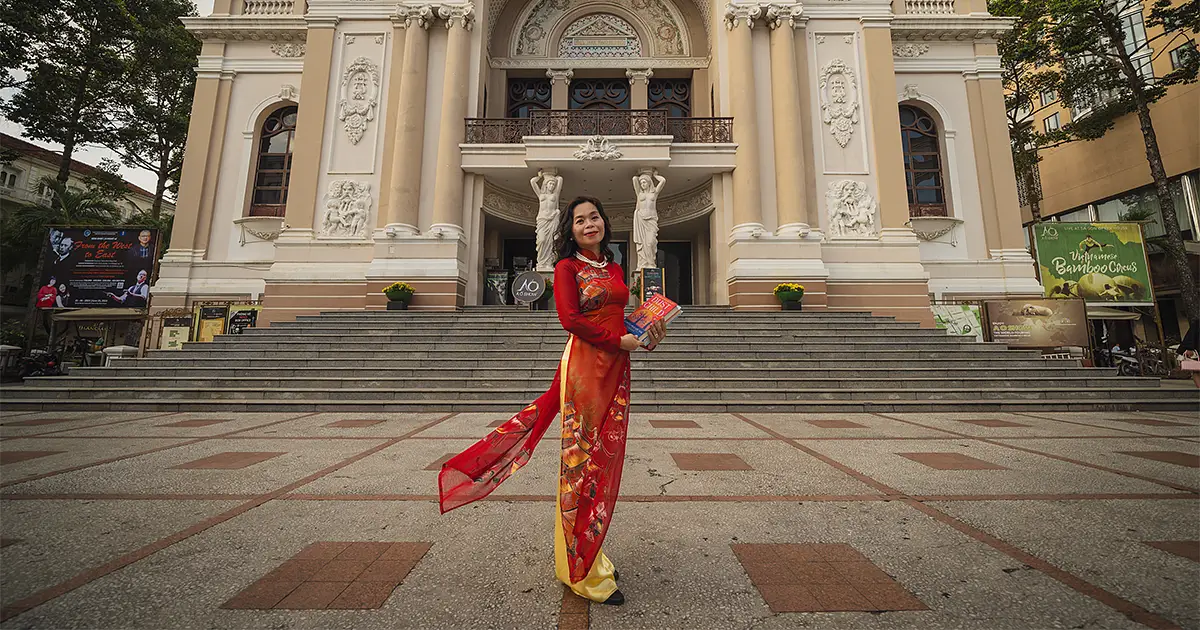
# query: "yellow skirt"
599,583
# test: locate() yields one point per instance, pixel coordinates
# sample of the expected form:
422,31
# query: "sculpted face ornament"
839,101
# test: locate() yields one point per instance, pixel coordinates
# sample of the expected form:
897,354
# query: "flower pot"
792,306
397,305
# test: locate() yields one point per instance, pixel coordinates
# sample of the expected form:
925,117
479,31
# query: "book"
656,308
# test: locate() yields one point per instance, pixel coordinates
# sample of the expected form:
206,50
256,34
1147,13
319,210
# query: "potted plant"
790,295
399,294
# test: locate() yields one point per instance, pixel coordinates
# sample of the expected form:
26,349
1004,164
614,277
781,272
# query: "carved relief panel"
357,104
840,114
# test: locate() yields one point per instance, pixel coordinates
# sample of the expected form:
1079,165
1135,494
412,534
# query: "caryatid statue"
647,185
547,187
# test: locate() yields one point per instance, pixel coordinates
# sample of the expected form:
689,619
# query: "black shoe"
616,575
616,599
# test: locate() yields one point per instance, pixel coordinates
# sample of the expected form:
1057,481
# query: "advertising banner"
210,322
1099,262
175,332
1038,323
959,319
242,316
97,268
652,282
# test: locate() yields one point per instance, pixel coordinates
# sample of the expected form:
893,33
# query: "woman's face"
587,226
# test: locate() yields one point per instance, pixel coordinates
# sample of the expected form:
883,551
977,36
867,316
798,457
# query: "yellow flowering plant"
789,292
399,291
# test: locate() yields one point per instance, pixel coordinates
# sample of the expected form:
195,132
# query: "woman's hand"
629,343
657,331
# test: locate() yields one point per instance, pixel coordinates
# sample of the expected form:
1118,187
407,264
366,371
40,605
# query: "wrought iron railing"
598,123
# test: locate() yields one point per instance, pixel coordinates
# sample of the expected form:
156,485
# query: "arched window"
274,164
922,163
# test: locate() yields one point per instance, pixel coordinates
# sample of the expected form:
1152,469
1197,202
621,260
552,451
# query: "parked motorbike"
1125,362
41,363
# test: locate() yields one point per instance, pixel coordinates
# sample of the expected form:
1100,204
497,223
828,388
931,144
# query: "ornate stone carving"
663,26
560,75
360,96
646,186
347,209
784,15
911,92
464,14
849,39
820,39
839,100
288,50
547,187
379,39
600,35
679,209
739,13
639,76
598,148
852,211
288,92
420,16
910,50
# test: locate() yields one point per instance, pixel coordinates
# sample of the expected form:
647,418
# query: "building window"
672,95
1049,96
274,163
600,94
922,163
526,95
1181,54
1051,123
8,179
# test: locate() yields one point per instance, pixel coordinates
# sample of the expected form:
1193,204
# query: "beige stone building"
858,147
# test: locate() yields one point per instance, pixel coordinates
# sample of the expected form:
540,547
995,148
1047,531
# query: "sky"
93,155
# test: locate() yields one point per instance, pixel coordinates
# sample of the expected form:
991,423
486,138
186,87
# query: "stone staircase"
498,359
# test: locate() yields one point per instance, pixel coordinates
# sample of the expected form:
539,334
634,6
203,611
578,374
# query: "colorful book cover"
657,307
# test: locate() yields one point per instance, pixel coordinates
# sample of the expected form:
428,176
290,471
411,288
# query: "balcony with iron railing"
591,122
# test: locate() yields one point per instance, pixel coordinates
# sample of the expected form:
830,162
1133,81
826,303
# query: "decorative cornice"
236,28
288,50
621,63
464,14
949,28
738,13
909,50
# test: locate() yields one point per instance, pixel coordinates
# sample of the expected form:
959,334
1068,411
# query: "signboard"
242,317
959,319
1099,262
210,322
529,286
175,331
97,268
496,288
652,282
1038,323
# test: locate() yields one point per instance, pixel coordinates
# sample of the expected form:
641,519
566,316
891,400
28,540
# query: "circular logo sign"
529,286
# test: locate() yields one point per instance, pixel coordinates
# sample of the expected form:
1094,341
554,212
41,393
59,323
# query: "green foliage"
12,333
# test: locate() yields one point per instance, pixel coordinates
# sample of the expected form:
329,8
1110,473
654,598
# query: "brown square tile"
364,551
353,424
810,573
1149,422
297,569
262,594
674,424
199,422
392,571
573,604
709,461
38,422
836,424
5,542
762,574
889,596
993,424
789,598
861,572
324,550
951,461
835,552
406,551
340,571
757,553
839,597
1189,549
363,595
437,464
574,621
1170,457
13,457
313,595
228,461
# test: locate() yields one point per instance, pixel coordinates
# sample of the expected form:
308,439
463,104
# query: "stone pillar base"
882,277
434,263
758,263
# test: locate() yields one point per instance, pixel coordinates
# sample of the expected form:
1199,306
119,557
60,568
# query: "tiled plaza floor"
924,521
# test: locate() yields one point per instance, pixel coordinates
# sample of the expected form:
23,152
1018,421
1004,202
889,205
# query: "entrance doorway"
675,257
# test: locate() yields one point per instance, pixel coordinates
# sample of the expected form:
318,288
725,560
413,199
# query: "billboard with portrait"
1099,262
1038,323
97,267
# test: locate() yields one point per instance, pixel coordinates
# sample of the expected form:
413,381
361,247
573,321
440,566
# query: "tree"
1096,55
74,56
152,115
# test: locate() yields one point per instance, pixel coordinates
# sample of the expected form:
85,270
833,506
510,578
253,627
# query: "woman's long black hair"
565,243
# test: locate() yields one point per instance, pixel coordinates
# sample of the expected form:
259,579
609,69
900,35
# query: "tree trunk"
159,190
32,313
